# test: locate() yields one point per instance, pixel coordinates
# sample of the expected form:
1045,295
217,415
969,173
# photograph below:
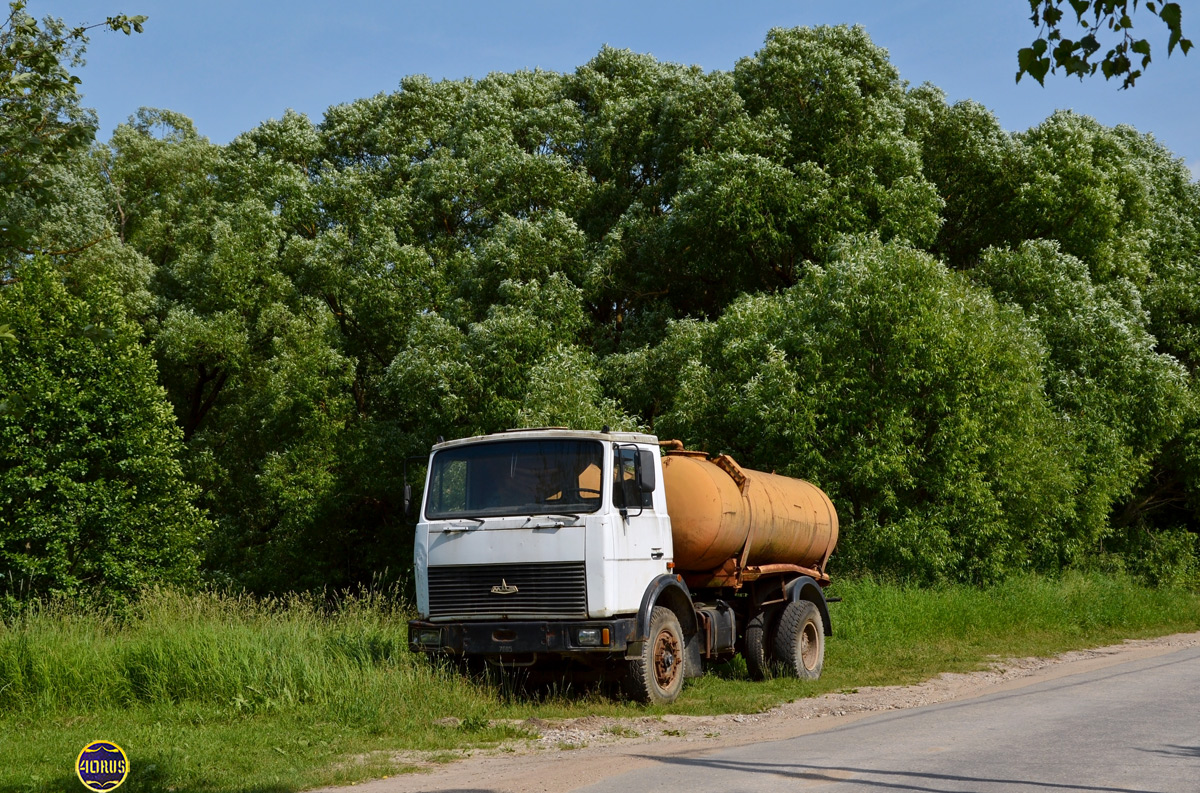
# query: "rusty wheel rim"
666,659
809,646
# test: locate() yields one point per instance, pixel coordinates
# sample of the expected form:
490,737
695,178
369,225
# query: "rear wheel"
759,652
800,640
656,675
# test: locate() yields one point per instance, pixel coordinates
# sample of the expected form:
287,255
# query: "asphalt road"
1129,728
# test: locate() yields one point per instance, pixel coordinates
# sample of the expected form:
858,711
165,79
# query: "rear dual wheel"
786,640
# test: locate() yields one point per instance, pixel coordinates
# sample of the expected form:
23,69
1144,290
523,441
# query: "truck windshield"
541,477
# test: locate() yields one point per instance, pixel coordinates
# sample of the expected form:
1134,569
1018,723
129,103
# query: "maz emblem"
504,588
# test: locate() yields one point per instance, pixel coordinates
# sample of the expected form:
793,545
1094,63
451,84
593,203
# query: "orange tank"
721,512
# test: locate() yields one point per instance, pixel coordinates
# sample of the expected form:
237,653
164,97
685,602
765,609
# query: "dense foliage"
93,493
982,344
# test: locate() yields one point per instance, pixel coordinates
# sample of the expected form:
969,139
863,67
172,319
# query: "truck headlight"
429,637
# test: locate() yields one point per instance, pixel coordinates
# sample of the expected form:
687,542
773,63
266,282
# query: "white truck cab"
540,525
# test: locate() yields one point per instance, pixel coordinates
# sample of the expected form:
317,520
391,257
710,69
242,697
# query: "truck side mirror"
646,479
408,496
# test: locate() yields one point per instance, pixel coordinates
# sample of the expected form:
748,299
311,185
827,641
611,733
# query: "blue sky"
230,65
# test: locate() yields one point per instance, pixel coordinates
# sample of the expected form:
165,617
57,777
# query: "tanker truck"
618,555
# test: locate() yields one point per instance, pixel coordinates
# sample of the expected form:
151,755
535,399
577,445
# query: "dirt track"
571,753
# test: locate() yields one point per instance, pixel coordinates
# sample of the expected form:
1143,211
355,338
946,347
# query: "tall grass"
241,653
221,693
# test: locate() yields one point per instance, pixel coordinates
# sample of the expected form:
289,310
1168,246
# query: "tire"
800,640
656,675
759,652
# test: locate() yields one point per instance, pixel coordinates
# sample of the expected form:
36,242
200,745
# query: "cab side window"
625,483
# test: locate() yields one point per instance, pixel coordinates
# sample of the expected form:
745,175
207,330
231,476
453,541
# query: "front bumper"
509,637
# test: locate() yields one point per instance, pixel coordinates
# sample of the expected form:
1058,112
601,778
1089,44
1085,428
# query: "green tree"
975,164
710,185
1122,400
843,105
94,496
1111,197
1081,185
262,395
521,363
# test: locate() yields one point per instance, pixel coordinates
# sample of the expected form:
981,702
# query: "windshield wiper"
453,527
556,521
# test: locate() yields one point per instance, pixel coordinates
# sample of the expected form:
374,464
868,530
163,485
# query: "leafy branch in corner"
1110,19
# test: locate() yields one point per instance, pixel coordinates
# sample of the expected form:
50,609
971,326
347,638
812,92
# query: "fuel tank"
720,511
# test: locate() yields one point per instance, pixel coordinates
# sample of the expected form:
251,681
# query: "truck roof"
552,432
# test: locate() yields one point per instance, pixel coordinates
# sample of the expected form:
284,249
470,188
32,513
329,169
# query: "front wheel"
656,675
800,640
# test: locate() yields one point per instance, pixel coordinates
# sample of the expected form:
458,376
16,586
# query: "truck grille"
548,589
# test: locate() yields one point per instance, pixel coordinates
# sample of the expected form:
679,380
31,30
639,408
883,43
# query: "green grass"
894,635
214,693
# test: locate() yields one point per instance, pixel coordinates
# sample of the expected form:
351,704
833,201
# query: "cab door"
643,542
